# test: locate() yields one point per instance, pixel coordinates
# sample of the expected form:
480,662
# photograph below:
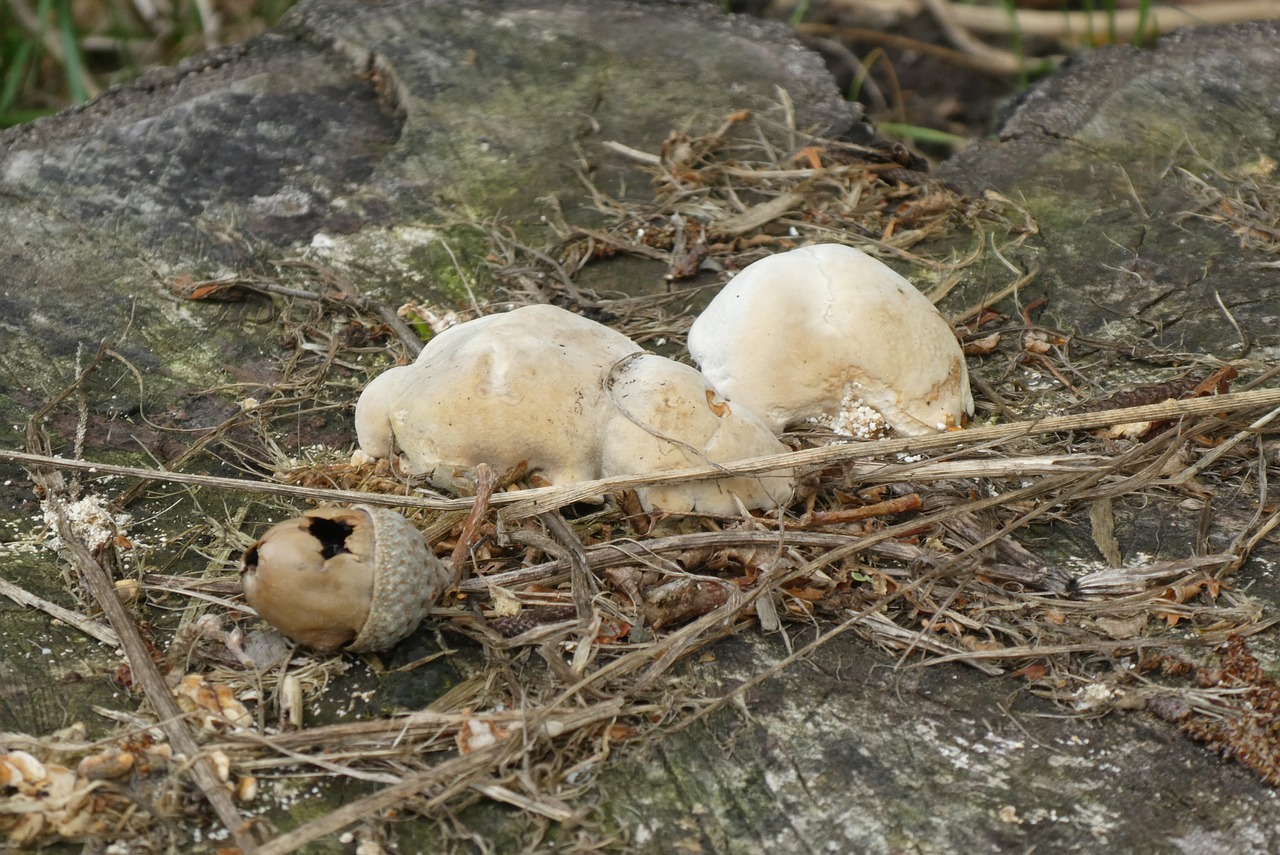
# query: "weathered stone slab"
845,753
1120,157
357,133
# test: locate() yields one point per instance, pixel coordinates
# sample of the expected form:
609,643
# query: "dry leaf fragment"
505,604
477,733
1032,671
1121,628
1129,430
43,800
215,706
1040,342
107,764
982,346
246,789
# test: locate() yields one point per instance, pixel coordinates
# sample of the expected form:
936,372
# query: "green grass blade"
15,75
798,13
1144,17
72,60
919,134
1015,38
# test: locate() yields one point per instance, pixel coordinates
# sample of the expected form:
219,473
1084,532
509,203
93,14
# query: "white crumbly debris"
90,519
854,419
1093,696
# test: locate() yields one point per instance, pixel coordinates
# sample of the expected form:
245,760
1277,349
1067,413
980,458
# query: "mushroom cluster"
825,333
571,399
358,578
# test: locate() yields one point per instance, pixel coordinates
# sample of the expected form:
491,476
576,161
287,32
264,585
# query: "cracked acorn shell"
358,578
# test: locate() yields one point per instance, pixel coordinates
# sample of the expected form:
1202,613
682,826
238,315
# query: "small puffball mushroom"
522,386
818,333
358,578
666,417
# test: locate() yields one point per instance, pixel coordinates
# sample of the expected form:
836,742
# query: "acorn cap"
409,581
360,578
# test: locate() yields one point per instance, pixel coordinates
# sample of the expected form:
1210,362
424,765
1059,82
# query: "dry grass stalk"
171,716
533,501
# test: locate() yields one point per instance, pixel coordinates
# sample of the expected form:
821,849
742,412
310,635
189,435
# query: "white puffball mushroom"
358,578
530,385
815,333
521,386
665,418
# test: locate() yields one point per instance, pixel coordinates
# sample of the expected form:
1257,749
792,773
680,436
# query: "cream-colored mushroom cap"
567,396
522,386
815,333
666,417
360,578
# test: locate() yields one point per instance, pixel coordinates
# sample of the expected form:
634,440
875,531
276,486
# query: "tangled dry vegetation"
577,616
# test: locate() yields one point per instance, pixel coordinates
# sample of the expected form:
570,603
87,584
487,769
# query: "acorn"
359,578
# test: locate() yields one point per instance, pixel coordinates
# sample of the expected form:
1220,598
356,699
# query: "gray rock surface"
845,753
1120,157
357,134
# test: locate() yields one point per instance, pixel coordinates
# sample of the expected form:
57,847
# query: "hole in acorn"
332,535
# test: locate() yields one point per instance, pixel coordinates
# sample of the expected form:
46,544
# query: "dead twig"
531,502
171,718
486,483
22,597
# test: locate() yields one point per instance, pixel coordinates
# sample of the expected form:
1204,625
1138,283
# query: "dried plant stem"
271,488
22,597
1123,23
532,502
583,583
1098,646
998,62
342,299
172,720
359,738
988,301
526,503
453,776
457,775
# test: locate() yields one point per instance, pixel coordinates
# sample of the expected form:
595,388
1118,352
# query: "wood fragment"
1103,522
757,216
147,676
22,597
486,483
889,507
